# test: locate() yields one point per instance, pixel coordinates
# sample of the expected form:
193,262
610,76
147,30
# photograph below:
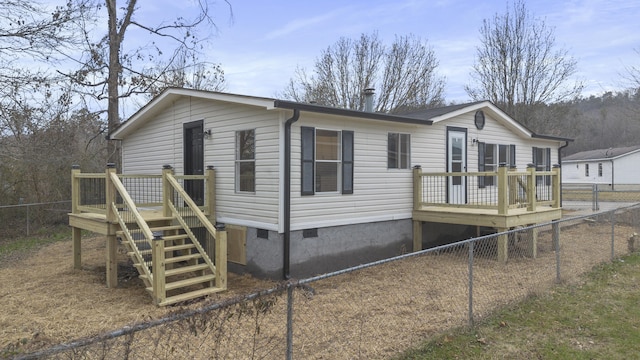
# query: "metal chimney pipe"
368,99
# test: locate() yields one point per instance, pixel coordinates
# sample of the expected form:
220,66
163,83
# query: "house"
613,167
305,189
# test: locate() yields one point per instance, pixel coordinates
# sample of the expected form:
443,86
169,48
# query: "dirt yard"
45,302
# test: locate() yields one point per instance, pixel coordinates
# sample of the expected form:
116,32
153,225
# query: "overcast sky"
261,46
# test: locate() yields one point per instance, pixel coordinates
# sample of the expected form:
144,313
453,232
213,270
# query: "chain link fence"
27,219
377,310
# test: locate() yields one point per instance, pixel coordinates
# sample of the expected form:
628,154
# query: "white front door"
456,162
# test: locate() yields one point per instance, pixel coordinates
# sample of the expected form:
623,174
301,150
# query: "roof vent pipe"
368,99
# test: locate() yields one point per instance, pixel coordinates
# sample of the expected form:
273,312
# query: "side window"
490,156
327,161
586,170
328,158
245,161
398,151
600,169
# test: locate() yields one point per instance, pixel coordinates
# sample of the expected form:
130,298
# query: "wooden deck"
170,239
514,199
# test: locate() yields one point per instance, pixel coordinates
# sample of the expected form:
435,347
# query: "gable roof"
422,117
602,154
447,112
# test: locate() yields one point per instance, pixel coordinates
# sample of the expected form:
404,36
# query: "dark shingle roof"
601,153
431,113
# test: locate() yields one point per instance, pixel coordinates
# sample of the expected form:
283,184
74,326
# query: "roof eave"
284,104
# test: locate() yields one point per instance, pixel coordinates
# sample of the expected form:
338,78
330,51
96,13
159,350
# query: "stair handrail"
198,213
142,224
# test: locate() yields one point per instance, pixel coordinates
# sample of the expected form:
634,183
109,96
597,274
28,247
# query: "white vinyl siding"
160,141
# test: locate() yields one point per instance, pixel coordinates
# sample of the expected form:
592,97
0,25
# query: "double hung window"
327,161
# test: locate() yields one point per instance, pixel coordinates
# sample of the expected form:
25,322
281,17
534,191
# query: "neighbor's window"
600,169
246,161
398,151
586,170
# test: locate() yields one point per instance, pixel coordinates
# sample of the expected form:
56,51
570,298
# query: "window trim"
238,162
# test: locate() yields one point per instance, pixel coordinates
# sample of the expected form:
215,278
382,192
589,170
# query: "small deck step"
190,295
176,259
166,249
187,282
186,269
166,228
175,237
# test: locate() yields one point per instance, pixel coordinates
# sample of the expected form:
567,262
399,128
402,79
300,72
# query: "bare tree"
186,72
633,73
111,74
519,67
404,75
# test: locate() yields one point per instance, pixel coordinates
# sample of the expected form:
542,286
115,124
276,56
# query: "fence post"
531,187
613,234
471,283
289,354
167,190
555,226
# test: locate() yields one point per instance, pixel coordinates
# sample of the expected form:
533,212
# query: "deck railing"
133,227
146,191
502,190
195,223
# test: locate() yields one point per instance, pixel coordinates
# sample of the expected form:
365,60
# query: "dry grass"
373,313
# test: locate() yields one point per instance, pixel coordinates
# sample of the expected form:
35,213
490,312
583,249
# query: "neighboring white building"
351,195
615,167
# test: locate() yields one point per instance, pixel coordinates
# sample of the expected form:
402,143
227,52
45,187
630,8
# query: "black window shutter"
347,162
534,160
307,137
512,156
481,150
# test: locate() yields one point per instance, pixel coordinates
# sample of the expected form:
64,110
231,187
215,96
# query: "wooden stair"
187,275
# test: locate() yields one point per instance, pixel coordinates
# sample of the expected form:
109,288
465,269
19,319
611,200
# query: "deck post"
531,187
221,256
211,193
513,185
417,187
503,190
167,190
503,246
557,180
76,232
158,264
112,242
417,235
